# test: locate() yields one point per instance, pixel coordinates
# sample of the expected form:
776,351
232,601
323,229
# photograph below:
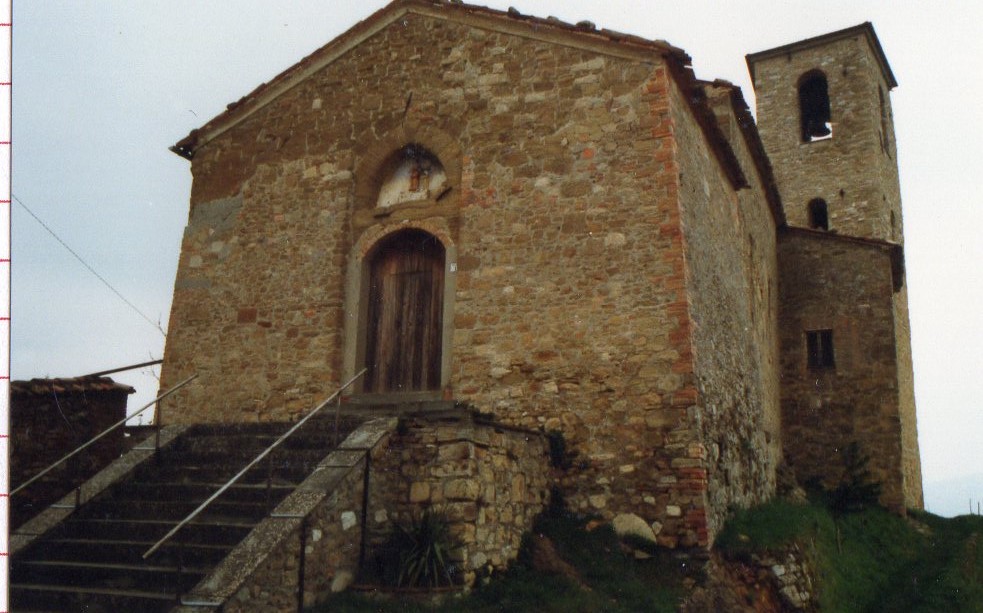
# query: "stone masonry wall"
569,307
732,322
757,222
571,312
489,483
911,457
331,543
781,580
854,171
844,286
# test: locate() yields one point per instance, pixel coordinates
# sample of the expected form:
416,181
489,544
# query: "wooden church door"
404,327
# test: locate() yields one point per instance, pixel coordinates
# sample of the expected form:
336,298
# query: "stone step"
213,531
366,405
150,577
136,508
130,551
322,426
294,465
233,461
198,492
38,598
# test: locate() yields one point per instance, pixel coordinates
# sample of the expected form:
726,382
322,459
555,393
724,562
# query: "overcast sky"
103,88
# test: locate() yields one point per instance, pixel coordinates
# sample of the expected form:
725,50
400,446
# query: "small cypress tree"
857,489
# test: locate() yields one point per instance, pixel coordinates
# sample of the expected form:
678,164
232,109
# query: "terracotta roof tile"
74,385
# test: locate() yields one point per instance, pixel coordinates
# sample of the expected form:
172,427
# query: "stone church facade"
566,229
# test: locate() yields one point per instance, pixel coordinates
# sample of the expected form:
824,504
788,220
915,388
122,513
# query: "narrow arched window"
818,214
814,107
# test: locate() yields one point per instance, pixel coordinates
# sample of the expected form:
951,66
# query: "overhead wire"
88,267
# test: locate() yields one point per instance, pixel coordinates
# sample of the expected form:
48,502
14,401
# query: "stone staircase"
93,561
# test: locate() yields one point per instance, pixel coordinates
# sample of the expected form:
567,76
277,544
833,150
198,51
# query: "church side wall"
569,301
727,279
846,287
759,248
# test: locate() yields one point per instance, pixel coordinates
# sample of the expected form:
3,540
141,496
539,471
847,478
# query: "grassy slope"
875,561
869,561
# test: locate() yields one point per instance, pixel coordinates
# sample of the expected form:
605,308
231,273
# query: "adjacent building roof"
865,29
895,250
75,385
749,131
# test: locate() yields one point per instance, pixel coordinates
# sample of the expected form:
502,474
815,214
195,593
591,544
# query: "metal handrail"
104,433
124,368
255,461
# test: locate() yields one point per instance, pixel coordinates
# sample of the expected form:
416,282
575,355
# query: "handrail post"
179,564
157,420
337,418
77,480
269,481
301,566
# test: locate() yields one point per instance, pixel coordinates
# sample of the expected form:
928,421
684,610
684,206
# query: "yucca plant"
421,550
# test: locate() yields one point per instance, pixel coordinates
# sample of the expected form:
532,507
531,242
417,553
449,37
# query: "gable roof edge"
582,36
866,29
696,101
894,250
752,138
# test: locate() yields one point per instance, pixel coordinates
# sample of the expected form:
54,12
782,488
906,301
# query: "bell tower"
824,115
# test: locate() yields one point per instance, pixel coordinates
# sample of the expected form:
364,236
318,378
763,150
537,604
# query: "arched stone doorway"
404,324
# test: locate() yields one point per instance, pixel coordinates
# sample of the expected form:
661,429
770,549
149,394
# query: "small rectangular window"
818,214
819,346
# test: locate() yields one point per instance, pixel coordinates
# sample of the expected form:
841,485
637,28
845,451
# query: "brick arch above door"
372,155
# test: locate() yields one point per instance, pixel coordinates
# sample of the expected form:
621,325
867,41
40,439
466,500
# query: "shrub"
418,552
856,489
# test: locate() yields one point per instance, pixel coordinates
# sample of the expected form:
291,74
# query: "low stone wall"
782,580
489,481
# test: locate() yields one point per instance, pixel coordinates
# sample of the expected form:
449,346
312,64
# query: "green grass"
771,525
615,582
872,560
